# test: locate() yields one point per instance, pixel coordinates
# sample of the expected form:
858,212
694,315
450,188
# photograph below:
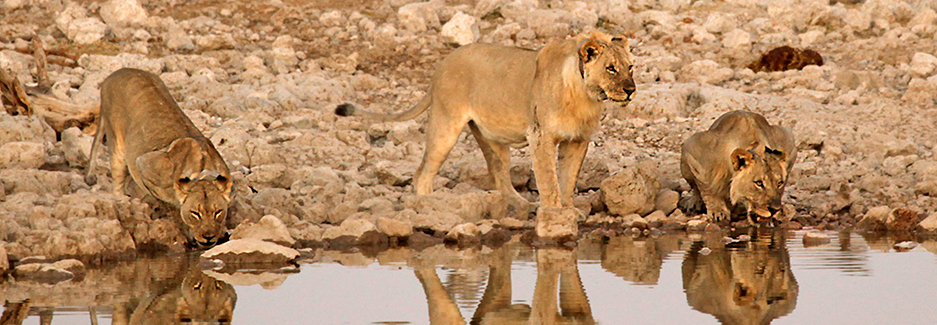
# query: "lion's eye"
611,69
780,184
631,68
760,184
197,286
196,215
218,214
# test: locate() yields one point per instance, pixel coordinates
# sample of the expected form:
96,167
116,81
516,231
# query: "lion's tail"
348,109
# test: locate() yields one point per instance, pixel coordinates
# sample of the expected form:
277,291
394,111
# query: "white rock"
269,228
718,22
123,12
925,17
737,38
923,64
858,20
420,16
705,72
85,30
25,155
461,29
11,5
351,227
77,146
463,231
394,228
332,18
809,38
250,250
929,224
178,40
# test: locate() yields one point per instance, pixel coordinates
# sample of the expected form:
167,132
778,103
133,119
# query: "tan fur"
511,97
150,138
199,299
740,163
741,285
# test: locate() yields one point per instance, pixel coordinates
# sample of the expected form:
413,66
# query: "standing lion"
509,97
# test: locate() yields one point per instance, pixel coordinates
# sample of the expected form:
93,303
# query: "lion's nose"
208,239
774,209
629,90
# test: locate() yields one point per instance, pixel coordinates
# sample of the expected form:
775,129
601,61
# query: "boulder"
250,251
462,29
923,65
394,228
420,16
666,201
928,225
464,233
76,146
41,273
123,12
632,190
269,228
437,221
27,155
885,218
351,227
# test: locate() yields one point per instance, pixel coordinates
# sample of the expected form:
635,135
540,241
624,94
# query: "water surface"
670,279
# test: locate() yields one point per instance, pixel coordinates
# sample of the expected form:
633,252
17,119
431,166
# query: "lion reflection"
194,298
556,271
748,284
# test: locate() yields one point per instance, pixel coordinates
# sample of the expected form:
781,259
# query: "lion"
148,136
740,164
190,297
550,99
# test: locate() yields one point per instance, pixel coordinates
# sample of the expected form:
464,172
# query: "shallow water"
671,279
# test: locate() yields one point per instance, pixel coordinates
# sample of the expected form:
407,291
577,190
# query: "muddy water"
671,279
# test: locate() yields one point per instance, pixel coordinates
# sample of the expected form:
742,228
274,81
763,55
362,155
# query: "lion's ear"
589,50
741,158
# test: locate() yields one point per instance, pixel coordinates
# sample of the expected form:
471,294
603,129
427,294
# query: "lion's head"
606,66
204,208
758,182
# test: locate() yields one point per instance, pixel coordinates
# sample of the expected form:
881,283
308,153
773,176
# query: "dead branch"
62,115
42,73
13,95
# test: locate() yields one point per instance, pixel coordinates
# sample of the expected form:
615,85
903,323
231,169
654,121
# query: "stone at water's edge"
251,251
269,228
557,222
929,224
632,190
815,239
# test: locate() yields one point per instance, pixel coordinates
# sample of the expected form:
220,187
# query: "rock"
924,17
41,181
666,201
594,170
178,40
394,228
704,72
549,22
76,146
438,221
27,155
737,38
815,239
923,65
929,225
858,20
463,233
885,218
420,16
123,12
632,190
696,224
25,128
41,273
85,30
282,57
250,251
656,218
74,266
269,228
351,227
462,29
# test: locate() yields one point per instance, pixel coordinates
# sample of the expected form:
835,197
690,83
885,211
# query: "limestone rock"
923,65
462,29
666,201
28,155
632,190
929,225
4,260
269,228
394,228
466,232
351,227
123,12
815,239
438,221
41,273
250,251
74,266
420,16
77,146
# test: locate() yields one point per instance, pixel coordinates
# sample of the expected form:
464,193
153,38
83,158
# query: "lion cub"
165,154
739,165
509,97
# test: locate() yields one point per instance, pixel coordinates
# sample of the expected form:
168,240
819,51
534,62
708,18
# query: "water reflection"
638,260
557,272
743,282
165,290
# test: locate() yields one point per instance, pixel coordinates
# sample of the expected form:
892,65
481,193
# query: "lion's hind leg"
442,133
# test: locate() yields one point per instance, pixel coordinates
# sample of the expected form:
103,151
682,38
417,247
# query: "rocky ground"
262,78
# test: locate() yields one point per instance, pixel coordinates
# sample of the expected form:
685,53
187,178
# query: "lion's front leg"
571,154
543,155
716,208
